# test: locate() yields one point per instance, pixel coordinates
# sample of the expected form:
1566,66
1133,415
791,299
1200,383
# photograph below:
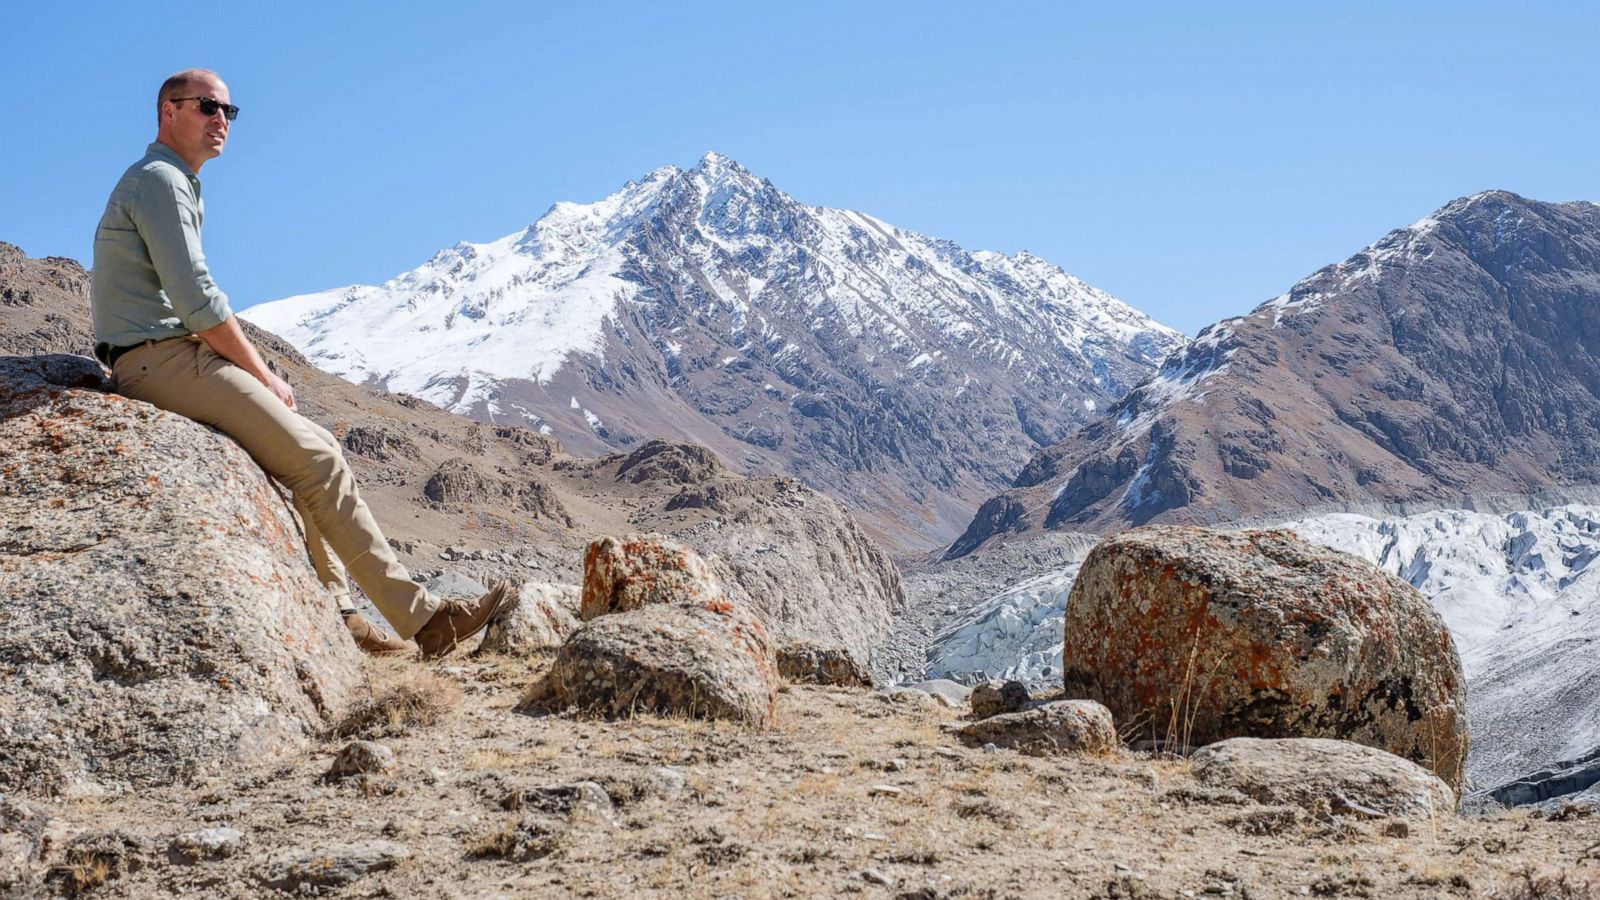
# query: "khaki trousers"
184,376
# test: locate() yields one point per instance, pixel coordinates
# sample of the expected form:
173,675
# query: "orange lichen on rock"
1201,635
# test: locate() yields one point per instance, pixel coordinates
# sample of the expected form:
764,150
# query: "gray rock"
1207,635
22,829
162,617
993,698
581,799
1064,726
914,698
334,865
362,758
708,661
1325,776
808,662
951,694
454,585
545,616
207,844
666,781
874,876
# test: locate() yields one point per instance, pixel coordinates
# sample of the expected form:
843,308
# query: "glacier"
1518,591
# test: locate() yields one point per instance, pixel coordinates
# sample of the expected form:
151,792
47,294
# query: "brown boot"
457,620
372,639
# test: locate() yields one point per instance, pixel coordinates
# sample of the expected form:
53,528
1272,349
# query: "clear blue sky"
1191,158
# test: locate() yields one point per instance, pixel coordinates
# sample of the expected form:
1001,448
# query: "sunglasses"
210,105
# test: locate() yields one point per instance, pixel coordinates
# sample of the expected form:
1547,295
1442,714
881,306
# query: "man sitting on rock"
166,331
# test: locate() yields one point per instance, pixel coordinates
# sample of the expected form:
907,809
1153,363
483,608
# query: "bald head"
187,83
183,121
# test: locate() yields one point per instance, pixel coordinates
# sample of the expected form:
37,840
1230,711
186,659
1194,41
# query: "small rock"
884,790
579,799
914,698
332,866
1396,828
1065,726
209,843
361,758
952,694
449,585
666,781
873,876
994,698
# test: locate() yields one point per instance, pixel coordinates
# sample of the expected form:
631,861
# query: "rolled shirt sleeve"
167,214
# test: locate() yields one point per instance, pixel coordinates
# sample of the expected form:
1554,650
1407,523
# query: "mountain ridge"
1451,357
905,374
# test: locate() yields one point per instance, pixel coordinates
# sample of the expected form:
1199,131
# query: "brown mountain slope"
1453,359
516,503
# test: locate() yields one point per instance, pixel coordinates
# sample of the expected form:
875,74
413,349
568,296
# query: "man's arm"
230,343
167,214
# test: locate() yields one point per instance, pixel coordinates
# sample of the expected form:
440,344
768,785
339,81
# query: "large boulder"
1325,776
709,662
663,633
1196,635
159,617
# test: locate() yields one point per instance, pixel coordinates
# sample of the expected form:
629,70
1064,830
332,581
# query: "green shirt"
150,278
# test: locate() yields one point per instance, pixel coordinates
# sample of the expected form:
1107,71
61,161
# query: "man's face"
195,134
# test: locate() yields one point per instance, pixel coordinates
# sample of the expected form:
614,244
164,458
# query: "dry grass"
495,758
758,816
415,699
517,839
85,872
1531,884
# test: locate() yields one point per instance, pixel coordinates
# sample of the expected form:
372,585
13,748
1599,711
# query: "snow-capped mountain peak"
712,274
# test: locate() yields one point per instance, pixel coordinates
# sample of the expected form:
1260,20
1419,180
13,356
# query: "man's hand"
280,389
229,342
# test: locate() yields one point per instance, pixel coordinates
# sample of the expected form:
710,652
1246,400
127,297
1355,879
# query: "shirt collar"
164,152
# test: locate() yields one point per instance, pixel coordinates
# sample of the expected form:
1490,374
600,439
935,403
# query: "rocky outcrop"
161,616
43,303
1049,729
1450,361
1324,776
459,484
808,567
1201,635
670,462
663,634
545,616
